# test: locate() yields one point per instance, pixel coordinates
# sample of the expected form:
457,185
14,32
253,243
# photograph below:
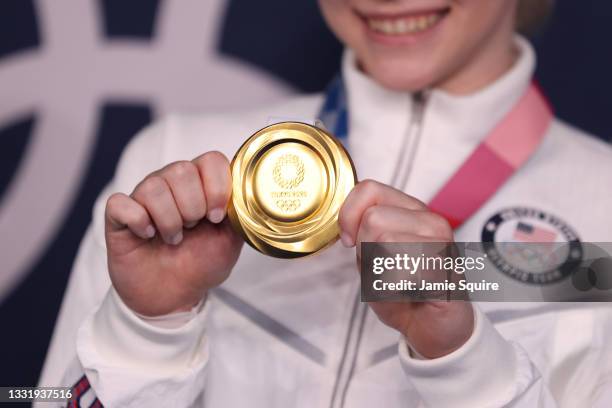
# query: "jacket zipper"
401,175
410,144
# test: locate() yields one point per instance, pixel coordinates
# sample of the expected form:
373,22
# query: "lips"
406,24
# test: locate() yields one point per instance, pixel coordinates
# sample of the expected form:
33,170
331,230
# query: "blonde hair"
532,15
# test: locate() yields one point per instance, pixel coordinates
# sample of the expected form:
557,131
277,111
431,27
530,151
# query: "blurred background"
78,78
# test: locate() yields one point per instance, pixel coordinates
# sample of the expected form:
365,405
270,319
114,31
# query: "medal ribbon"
509,145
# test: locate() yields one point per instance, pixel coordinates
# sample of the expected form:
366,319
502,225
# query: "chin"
402,77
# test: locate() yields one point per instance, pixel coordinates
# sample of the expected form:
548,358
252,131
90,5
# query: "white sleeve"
89,281
132,363
487,371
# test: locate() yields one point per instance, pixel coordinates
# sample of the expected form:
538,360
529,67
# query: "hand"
169,241
374,212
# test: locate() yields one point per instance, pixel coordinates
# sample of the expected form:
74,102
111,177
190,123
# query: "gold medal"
289,181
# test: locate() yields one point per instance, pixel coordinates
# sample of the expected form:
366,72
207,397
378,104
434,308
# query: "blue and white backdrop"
78,78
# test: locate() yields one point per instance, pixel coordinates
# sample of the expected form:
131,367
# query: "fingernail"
216,215
175,240
346,240
191,224
150,232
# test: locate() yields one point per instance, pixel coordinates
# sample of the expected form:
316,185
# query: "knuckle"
440,225
211,159
152,186
372,218
386,236
180,170
418,204
114,202
368,187
215,156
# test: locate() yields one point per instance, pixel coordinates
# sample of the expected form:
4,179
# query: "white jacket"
293,333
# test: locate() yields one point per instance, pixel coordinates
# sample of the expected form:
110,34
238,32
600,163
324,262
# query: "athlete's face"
413,44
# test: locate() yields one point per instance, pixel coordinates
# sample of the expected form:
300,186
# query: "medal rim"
328,230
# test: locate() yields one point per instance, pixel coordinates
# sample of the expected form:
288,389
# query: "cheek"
341,20
476,20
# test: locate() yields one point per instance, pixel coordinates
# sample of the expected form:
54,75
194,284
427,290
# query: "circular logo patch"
531,246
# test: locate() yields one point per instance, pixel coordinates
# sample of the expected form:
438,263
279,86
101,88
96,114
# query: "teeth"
404,25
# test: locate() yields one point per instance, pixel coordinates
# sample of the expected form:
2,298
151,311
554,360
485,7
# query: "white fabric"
173,320
289,333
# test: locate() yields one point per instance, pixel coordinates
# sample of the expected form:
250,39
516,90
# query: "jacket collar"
381,120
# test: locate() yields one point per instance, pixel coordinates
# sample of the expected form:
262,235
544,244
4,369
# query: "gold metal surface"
289,181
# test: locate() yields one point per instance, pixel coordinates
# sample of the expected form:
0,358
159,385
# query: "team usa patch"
531,245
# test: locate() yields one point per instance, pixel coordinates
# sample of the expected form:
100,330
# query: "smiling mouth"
405,24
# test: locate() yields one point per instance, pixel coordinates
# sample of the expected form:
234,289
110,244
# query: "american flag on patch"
525,232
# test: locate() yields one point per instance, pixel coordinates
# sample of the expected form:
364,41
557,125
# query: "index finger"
367,194
214,169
